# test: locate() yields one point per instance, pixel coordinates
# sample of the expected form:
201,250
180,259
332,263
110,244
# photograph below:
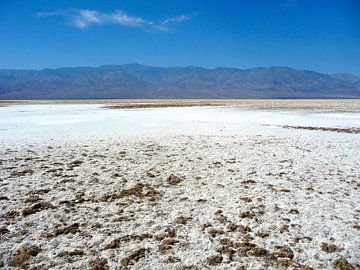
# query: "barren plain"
208,185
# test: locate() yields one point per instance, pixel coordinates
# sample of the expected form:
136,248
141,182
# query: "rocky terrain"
182,202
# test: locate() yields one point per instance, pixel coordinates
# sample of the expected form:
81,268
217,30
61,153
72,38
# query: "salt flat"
87,187
74,122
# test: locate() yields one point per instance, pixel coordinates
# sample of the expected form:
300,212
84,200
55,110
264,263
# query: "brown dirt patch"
127,238
257,252
23,256
22,173
98,264
328,248
332,129
248,214
74,228
182,220
214,232
171,233
174,180
139,190
167,244
72,253
37,208
133,257
342,264
214,260
283,252
4,230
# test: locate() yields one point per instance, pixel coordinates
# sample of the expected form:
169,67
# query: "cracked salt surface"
82,187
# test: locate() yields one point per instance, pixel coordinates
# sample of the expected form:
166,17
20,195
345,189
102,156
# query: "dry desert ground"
239,185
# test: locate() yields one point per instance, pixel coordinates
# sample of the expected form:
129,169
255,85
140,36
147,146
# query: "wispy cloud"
84,18
180,18
49,14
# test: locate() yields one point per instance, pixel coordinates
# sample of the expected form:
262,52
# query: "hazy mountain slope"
138,81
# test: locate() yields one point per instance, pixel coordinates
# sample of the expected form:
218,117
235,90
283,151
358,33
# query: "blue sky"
317,35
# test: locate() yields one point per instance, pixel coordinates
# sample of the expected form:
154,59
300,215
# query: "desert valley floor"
258,185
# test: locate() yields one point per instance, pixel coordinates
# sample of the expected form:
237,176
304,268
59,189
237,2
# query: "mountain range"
139,81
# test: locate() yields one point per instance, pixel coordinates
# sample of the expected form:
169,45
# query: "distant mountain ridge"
139,81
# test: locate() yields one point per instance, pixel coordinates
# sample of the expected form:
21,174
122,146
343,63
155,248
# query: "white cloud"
122,18
83,18
180,18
